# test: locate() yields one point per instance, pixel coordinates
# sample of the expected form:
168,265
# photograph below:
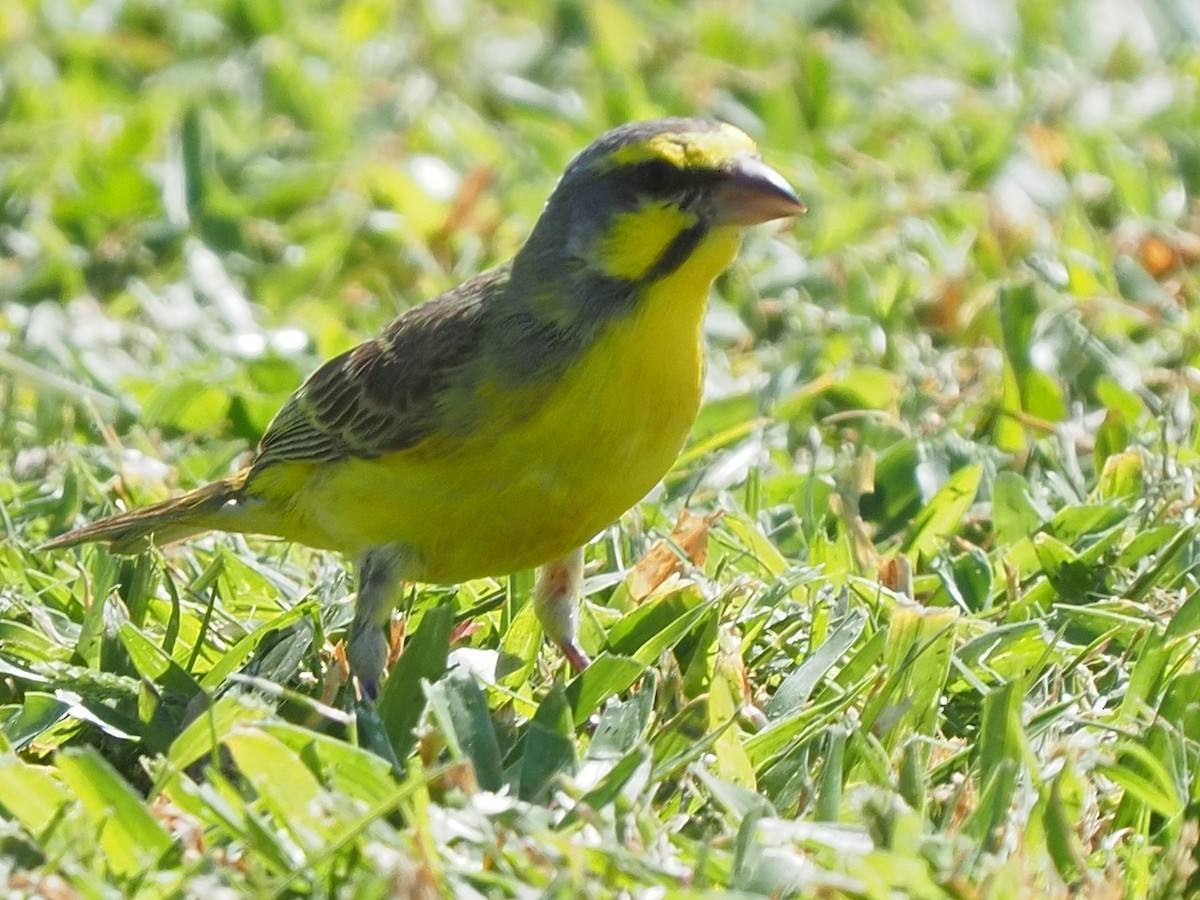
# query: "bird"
502,424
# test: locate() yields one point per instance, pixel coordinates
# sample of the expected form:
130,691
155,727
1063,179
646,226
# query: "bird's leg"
379,575
556,602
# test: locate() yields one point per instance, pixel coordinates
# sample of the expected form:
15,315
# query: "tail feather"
163,523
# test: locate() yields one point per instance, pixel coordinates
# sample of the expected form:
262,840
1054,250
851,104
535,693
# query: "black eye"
655,177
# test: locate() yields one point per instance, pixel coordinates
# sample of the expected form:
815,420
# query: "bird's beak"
751,192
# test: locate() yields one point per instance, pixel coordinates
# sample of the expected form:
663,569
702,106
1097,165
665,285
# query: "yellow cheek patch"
636,240
692,150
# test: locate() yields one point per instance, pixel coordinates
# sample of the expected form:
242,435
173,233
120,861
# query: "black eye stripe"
656,177
677,251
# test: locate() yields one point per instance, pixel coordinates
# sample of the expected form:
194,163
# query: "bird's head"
641,200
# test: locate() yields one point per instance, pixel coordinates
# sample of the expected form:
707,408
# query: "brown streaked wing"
382,396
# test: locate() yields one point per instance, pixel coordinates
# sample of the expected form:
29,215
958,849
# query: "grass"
932,629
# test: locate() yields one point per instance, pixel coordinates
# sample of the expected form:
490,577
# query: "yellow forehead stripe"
636,240
691,150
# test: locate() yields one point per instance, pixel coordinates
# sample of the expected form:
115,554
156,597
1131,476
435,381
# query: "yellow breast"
543,474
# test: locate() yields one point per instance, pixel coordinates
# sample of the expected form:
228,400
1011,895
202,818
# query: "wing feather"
383,396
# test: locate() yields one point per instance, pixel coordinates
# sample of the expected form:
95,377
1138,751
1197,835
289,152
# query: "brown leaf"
944,312
337,673
1049,145
463,630
690,535
396,643
1157,256
895,574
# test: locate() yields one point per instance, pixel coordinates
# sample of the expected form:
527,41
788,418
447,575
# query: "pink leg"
556,602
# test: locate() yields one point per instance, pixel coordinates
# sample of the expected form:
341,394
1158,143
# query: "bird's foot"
556,602
576,657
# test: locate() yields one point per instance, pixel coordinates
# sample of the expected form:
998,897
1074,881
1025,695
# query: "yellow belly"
526,487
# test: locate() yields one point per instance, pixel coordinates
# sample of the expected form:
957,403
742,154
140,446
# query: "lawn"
915,614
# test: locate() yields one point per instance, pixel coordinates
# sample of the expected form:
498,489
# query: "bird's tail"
162,523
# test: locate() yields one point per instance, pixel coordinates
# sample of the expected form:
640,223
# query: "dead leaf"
337,673
944,312
1049,145
895,574
690,535
1157,256
464,630
464,207
396,644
